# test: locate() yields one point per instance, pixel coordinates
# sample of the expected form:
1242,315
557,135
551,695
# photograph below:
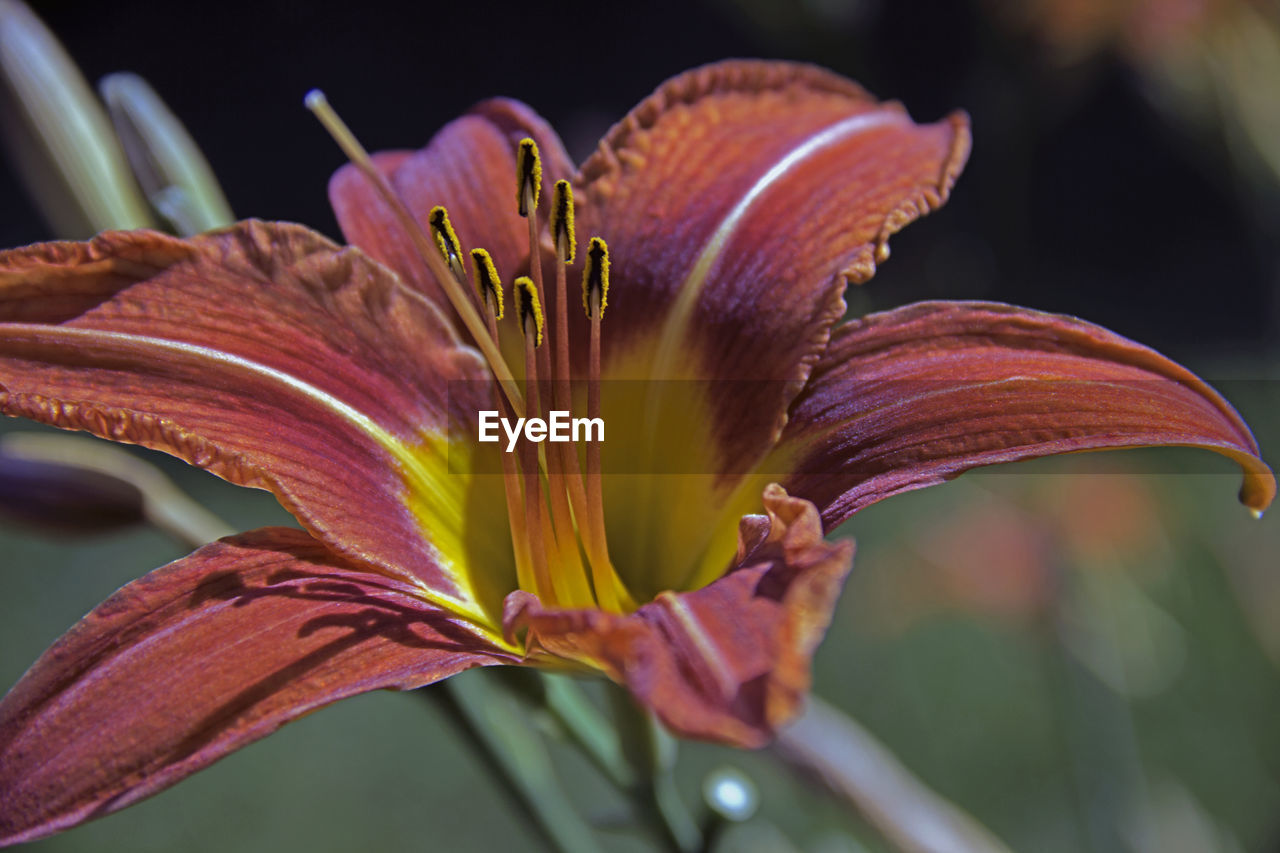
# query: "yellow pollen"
530,307
595,277
447,240
485,275
528,176
562,222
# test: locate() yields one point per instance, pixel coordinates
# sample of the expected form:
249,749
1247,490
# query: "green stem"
516,757
583,723
652,753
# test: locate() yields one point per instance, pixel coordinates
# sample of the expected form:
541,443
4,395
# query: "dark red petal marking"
736,200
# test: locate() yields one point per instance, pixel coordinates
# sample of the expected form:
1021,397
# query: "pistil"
337,128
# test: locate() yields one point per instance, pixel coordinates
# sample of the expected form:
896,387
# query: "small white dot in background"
731,794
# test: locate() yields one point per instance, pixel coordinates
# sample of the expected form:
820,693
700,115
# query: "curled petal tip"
1020,384
1258,490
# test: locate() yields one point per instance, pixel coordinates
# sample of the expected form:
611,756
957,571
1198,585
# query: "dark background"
1080,196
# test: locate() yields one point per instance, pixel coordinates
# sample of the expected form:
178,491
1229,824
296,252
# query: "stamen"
536,520
595,279
563,237
568,579
528,188
530,309
562,223
319,106
564,477
545,525
488,285
562,234
447,240
528,176
517,518
595,291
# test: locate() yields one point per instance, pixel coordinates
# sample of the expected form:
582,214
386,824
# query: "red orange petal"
200,658
265,354
915,396
736,201
728,662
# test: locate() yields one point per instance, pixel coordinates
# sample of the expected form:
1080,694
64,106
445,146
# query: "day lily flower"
721,221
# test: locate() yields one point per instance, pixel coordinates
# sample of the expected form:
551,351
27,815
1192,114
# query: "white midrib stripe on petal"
687,296
669,355
413,468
